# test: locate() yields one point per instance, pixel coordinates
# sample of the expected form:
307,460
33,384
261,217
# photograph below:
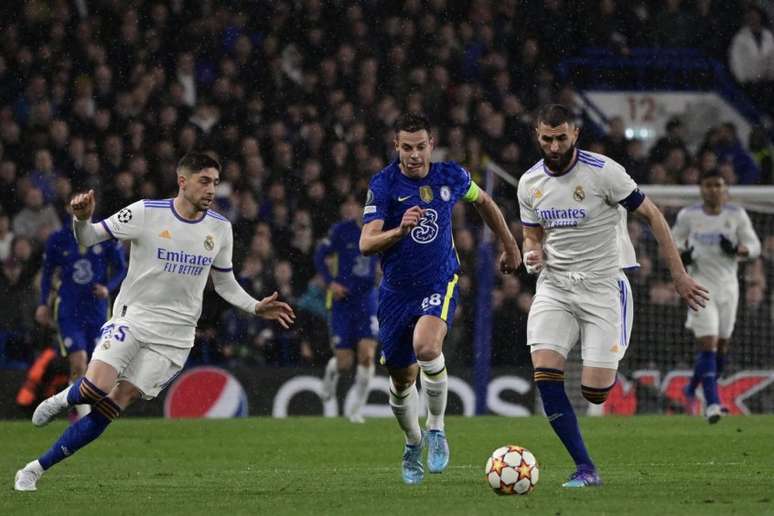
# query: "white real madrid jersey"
585,227
169,262
702,231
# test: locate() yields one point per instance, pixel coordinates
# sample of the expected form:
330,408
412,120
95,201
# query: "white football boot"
27,477
49,408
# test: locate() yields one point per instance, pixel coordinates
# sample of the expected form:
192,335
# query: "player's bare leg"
428,346
366,350
82,432
78,362
404,402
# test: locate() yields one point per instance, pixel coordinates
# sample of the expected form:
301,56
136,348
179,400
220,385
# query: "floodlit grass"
650,465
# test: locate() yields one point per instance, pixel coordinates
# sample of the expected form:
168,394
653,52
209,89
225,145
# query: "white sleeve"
747,237
682,230
88,234
222,261
127,223
526,213
617,184
229,289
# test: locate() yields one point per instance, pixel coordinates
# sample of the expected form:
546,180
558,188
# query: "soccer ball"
512,470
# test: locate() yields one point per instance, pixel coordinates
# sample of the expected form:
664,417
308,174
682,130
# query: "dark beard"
557,167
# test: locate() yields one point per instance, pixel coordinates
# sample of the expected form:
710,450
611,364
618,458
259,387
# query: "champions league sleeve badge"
124,215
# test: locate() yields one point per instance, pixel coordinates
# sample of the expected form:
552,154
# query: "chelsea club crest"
445,193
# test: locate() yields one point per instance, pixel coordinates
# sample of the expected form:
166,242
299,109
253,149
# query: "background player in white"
569,210
174,245
714,236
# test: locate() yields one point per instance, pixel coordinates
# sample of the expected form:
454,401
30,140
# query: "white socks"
436,388
405,406
362,381
330,378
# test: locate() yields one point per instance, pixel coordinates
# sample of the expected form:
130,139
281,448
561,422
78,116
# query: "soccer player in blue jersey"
351,298
87,276
407,220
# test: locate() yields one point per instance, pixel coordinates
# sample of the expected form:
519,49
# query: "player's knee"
426,351
596,395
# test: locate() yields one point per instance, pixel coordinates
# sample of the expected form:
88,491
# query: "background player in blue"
350,277
87,277
407,220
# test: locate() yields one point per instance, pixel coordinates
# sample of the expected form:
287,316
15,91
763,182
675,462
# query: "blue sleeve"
117,262
460,179
324,249
377,200
47,273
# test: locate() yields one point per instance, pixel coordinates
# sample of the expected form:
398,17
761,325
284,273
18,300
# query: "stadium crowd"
297,98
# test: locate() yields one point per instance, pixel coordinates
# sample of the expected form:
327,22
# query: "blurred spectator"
762,153
674,138
6,236
729,149
751,57
37,219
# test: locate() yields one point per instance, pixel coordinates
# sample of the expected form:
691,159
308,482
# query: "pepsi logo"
206,392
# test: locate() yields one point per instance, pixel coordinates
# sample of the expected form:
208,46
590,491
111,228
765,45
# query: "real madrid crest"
426,193
209,243
579,194
536,193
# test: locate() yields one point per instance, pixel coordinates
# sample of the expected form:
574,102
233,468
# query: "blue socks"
706,369
550,383
82,432
83,392
705,372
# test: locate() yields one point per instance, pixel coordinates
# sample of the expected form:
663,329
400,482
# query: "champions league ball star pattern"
206,392
512,470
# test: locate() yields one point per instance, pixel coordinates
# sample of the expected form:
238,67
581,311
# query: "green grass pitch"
650,465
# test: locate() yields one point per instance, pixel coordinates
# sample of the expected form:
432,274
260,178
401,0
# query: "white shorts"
598,312
717,318
149,367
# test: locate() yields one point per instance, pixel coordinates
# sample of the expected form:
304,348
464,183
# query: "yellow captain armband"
472,194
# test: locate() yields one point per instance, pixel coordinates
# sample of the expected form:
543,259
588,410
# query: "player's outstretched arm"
86,233
510,260
229,289
694,294
373,240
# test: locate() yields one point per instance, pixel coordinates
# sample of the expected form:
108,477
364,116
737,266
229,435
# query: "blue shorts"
353,319
399,312
75,335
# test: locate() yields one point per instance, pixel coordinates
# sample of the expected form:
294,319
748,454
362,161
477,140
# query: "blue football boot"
438,451
413,470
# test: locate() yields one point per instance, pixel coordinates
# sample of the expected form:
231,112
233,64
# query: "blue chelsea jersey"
426,255
80,269
353,270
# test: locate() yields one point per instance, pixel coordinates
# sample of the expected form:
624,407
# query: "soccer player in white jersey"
176,244
569,211
713,237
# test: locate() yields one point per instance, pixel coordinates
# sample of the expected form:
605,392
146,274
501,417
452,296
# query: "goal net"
660,357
